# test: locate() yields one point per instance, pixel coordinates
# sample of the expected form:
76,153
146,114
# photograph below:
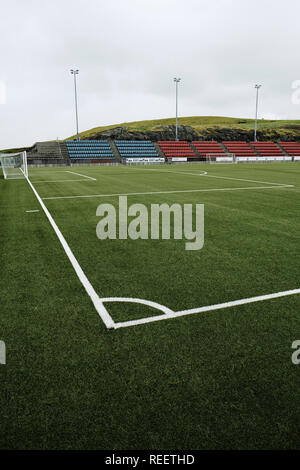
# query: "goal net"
220,158
14,165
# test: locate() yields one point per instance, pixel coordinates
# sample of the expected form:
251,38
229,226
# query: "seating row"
136,149
190,150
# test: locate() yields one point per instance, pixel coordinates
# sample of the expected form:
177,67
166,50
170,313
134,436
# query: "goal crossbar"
14,165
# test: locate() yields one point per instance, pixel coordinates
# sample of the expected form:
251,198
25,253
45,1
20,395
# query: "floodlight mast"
75,72
176,80
255,124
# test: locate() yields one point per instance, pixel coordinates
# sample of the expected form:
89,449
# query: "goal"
220,158
14,165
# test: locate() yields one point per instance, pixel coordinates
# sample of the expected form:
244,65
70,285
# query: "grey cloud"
128,52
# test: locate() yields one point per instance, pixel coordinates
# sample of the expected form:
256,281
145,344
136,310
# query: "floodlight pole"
255,124
75,72
177,80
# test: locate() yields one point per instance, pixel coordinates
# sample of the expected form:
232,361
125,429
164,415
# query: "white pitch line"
56,181
168,313
98,304
79,174
205,173
169,192
242,179
209,308
149,303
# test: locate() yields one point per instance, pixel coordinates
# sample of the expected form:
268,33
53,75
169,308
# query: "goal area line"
83,178
167,314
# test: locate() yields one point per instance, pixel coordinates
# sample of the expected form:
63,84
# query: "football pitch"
142,344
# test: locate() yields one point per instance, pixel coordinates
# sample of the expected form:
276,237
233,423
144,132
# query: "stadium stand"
145,151
177,149
267,149
291,148
240,149
136,149
93,151
205,147
48,152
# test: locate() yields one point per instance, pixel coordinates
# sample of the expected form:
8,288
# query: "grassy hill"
15,150
202,124
207,127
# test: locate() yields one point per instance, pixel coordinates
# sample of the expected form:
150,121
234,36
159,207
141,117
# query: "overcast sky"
128,52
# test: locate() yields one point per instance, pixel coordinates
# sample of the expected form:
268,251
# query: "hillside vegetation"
218,127
194,127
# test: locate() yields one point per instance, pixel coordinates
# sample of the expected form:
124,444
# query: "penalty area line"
205,173
249,181
169,192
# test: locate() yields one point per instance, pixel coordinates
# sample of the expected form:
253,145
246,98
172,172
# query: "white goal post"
14,165
221,158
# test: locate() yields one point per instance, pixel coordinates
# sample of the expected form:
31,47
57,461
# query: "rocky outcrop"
222,133
188,133
160,133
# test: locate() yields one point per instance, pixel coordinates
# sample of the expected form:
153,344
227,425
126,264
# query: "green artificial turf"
216,380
